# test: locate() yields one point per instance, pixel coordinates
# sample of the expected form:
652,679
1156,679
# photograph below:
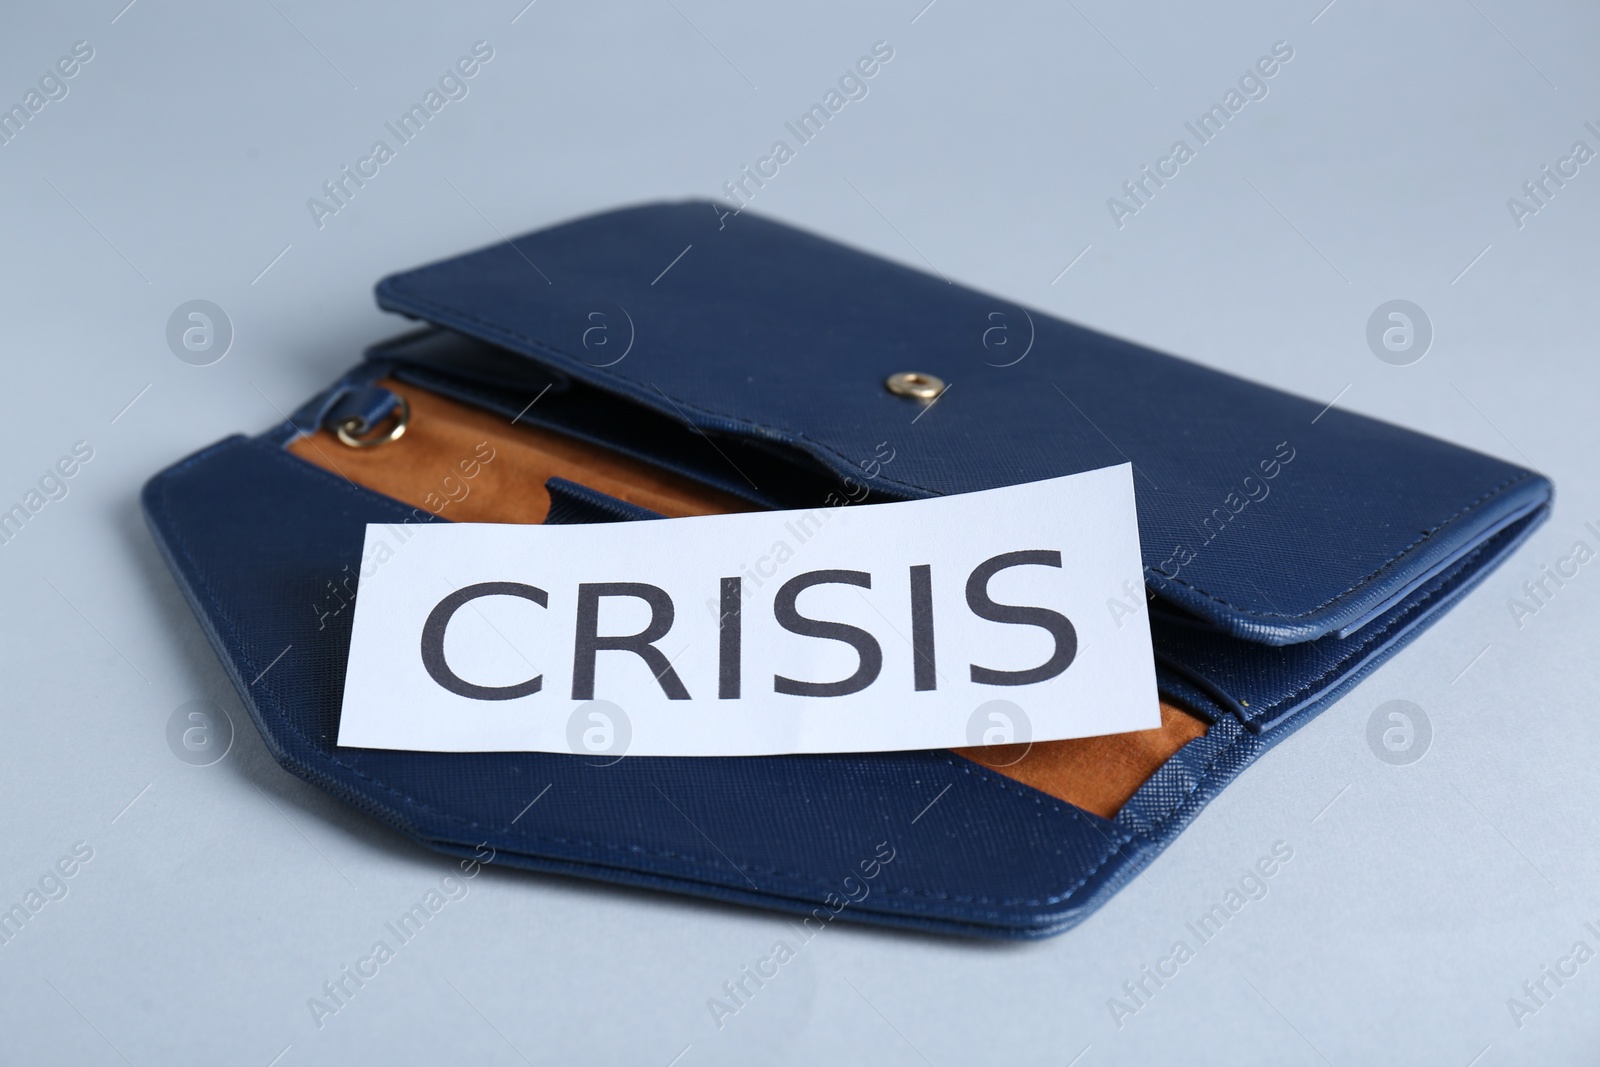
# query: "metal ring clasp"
355,424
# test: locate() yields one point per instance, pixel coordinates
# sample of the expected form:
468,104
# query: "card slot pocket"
466,464
769,474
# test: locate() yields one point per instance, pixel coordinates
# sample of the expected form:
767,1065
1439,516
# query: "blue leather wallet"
675,359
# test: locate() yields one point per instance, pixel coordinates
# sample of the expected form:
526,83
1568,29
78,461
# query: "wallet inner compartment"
468,464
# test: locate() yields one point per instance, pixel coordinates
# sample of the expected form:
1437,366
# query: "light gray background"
219,899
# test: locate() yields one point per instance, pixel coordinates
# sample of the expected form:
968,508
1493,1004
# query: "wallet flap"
1260,513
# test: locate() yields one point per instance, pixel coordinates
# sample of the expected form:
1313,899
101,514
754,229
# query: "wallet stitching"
1271,710
397,286
1518,477
1202,776
225,619
991,778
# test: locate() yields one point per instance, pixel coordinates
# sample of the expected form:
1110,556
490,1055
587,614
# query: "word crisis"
588,642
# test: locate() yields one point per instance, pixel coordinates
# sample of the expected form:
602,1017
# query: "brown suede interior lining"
470,465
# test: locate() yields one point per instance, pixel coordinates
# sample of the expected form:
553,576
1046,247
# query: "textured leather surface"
771,334
760,371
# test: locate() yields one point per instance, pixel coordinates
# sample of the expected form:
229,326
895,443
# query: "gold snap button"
915,384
